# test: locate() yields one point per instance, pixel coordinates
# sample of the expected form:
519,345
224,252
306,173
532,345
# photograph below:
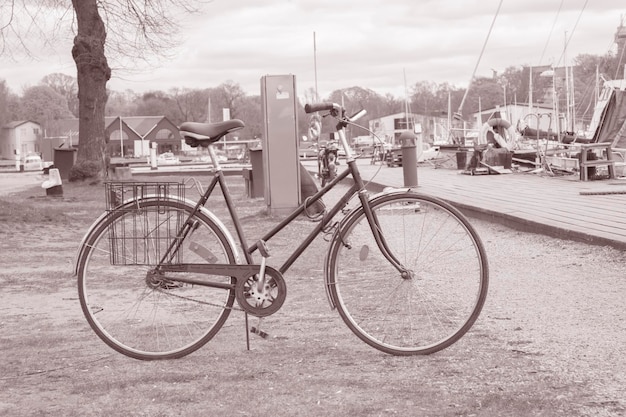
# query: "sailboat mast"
317,97
595,102
450,115
406,101
573,100
530,92
567,86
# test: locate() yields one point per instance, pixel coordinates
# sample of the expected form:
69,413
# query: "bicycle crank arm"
259,302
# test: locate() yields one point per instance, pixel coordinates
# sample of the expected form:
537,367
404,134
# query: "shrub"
85,170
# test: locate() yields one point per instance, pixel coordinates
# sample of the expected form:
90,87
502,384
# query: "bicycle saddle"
201,134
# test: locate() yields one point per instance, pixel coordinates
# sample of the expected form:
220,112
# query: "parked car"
33,162
168,158
393,156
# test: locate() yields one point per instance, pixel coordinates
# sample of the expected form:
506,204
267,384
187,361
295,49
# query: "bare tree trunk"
93,72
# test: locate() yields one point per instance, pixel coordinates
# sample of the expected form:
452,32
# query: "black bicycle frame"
357,187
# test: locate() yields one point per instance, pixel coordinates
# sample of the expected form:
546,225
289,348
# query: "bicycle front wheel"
440,295
135,309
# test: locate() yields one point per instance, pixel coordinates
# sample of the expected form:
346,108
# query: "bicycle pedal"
259,332
263,249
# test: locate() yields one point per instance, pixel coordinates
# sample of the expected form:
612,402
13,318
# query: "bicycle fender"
81,246
189,203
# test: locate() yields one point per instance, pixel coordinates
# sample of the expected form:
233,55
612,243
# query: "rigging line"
551,30
479,58
572,34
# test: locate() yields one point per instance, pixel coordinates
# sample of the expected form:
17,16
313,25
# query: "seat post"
213,155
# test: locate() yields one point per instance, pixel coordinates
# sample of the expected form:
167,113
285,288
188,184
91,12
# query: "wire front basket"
146,221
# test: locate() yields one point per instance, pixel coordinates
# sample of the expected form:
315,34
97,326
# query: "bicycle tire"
131,314
441,300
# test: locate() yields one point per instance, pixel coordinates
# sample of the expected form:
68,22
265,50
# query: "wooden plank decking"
531,202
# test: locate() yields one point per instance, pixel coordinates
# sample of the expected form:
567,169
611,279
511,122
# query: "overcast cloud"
367,43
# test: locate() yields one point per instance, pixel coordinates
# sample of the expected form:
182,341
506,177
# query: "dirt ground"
550,341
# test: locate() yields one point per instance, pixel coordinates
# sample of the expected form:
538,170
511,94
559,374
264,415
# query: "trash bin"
64,160
505,158
461,159
255,182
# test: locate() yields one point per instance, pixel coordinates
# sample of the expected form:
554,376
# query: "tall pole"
315,120
406,101
450,117
555,106
595,101
121,138
568,116
573,100
530,92
506,109
317,97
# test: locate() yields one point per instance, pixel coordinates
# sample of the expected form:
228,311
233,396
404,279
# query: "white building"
389,128
538,116
19,138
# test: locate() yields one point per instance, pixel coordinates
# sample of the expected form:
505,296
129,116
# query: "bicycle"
327,163
158,274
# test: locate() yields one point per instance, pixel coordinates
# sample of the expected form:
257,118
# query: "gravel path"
561,303
554,321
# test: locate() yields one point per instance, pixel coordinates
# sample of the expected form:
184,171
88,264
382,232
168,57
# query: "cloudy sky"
378,44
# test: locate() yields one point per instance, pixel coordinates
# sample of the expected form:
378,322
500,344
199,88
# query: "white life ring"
508,141
315,127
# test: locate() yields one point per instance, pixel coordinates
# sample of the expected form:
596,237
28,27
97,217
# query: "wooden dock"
560,206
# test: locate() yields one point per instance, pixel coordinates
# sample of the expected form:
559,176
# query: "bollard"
409,158
153,156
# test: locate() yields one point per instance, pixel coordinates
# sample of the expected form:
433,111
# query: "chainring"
265,301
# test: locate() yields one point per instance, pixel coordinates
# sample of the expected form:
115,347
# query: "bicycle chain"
198,301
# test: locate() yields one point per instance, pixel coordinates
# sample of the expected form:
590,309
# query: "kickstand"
257,330
247,333
254,329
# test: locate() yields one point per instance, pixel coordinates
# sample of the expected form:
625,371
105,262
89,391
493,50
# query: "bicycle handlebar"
332,107
358,115
312,108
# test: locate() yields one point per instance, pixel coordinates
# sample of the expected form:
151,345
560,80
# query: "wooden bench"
585,163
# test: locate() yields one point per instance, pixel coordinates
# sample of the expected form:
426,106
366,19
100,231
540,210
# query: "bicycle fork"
379,238
372,219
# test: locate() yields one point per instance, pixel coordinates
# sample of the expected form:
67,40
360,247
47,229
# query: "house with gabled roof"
19,138
129,136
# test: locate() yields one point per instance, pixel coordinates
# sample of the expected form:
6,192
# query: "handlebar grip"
312,108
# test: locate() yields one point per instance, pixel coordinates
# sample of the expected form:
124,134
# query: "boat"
608,123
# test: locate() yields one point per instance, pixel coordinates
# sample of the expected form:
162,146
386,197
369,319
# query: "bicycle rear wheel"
444,292
142,313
